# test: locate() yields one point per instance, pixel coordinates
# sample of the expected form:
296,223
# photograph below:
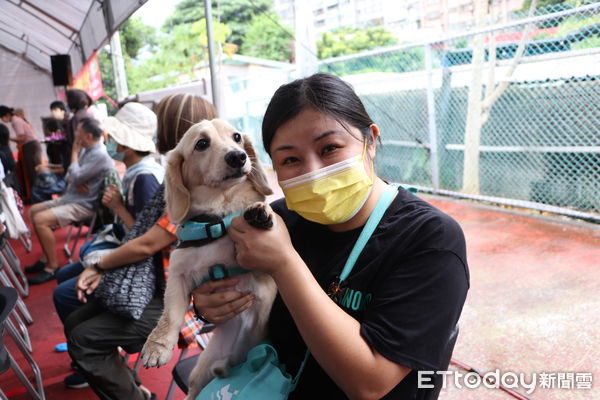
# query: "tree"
135,35
266,38
350,40
178,52
236,14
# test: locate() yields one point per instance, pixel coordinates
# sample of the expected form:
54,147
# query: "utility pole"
116,55
305,46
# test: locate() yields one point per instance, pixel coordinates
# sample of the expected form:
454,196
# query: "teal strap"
219,271
386,198
192,230
383,203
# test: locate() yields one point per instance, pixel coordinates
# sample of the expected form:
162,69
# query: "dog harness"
195,233
193,230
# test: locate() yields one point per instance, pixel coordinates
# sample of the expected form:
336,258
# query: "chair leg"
20,304
66,246
13,261
77,237
138,363
17,283
36,394
2,395
91,228
173,385
23,328
25,240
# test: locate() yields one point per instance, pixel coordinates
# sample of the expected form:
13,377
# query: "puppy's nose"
235,159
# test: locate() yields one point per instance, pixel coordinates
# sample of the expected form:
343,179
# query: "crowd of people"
412,274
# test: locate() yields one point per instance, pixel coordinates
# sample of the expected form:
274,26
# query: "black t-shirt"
407,289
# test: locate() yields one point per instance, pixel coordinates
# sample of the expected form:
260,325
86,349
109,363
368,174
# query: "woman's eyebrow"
325,134
321,136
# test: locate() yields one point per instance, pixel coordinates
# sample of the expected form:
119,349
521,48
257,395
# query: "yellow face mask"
330,195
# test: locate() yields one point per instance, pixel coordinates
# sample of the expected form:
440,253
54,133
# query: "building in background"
406,19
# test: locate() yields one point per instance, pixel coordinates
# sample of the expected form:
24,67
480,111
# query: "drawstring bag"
261,376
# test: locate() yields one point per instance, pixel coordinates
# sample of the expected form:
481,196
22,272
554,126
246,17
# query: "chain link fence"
538,144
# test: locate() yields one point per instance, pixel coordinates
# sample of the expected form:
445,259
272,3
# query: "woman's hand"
87,282
265,250
219,301
112,197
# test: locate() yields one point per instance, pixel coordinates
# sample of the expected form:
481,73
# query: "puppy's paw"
259,215
155,354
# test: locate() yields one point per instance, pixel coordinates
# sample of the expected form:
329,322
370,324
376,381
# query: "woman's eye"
289,160
329,148
237,137
202,144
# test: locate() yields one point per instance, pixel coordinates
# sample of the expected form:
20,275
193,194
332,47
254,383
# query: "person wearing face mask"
129,140
395,311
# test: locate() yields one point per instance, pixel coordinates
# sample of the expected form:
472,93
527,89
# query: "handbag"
127,290
261,376
103,242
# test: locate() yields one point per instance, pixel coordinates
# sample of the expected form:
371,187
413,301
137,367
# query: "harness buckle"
208,227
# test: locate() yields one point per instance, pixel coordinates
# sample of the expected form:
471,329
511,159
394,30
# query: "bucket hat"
134,126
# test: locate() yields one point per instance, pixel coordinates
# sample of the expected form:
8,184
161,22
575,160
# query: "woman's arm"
332,336
138,249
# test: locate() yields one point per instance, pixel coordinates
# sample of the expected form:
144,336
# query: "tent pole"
116,55
211,54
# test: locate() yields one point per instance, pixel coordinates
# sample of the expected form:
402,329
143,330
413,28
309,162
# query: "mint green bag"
261,377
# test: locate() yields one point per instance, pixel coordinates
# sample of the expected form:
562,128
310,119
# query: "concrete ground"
533,302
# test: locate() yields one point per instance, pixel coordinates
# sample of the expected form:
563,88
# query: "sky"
154,12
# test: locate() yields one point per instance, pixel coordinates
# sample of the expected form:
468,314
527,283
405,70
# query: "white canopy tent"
33,30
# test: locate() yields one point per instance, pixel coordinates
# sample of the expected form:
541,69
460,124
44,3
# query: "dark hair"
90,125
58,104
5,110
325,93
53,125
176,113
78,99
4,135
142,153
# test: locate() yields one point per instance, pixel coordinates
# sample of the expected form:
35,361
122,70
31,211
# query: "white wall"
22,85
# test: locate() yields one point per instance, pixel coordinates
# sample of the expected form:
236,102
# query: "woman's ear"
257,175
177,196
371,147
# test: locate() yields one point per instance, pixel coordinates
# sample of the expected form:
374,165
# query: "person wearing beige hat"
129,140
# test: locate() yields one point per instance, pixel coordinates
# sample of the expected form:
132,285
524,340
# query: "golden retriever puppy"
213,172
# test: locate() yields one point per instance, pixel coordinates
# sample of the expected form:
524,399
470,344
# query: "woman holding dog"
405,294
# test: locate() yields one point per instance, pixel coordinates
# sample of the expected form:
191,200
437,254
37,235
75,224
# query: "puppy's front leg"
159,345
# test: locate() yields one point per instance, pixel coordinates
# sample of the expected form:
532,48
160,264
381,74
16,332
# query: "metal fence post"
433,147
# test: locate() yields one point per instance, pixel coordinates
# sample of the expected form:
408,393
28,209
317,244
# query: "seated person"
130,134
49,179
7,159
130,141
98,361
89,165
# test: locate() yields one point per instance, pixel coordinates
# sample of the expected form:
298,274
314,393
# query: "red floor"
532,307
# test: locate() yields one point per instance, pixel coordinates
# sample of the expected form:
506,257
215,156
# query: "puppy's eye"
202,144
237,137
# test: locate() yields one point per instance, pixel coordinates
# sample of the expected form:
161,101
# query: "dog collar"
219,271
192,230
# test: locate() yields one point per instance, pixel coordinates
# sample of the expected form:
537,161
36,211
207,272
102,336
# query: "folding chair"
183,368
8,299
13,267
70,250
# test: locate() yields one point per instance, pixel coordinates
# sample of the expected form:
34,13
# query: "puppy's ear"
257,176
177,196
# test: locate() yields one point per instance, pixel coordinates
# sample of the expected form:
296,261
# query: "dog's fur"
201,181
